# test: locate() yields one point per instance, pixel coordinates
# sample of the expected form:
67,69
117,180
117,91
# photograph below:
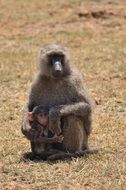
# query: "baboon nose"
58,67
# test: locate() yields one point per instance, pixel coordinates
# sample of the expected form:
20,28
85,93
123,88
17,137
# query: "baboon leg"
75,136
88,124
46,153
37,148
67,155
80,109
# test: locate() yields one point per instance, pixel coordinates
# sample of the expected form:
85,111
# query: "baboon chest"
52,95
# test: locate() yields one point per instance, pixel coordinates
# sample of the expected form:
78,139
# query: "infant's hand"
26,129
58,138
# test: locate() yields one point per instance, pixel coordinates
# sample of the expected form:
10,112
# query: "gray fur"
66,97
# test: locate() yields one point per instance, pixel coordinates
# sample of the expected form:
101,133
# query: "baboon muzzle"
57,66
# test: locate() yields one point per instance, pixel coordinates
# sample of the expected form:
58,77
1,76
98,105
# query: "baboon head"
54,62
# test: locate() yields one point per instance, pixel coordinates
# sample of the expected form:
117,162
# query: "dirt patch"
102,14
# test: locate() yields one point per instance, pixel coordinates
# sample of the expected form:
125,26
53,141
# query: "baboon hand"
58,138
54,121
26,128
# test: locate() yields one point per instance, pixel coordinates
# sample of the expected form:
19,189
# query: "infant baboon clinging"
39,122
60,87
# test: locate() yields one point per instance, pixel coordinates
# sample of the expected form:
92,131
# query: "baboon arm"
42,140
26,128
80,109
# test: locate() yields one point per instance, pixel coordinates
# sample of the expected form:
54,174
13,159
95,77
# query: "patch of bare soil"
96,14
100,14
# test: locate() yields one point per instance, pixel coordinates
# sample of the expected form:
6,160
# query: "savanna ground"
95,33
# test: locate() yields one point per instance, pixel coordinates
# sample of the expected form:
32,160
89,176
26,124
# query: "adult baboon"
60,87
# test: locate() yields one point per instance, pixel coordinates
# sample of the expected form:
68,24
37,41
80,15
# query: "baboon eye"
41,114
45,114
62,59
55,57
50,60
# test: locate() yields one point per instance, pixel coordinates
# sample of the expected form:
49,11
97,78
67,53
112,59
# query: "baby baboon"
39,122
60,87
38,119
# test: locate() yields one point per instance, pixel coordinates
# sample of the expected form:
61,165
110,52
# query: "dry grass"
95,32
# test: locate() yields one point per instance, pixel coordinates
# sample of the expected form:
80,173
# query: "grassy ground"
95,33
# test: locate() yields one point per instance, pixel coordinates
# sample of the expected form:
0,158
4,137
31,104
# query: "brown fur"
72,142
70,97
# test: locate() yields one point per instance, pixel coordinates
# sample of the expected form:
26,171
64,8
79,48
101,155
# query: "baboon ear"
42,50
30,116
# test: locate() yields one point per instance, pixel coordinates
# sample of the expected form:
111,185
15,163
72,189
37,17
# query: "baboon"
39,122
59,86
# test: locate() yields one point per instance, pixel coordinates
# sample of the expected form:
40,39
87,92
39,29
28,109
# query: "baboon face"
54,62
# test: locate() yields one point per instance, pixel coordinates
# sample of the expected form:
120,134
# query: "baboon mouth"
57,74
